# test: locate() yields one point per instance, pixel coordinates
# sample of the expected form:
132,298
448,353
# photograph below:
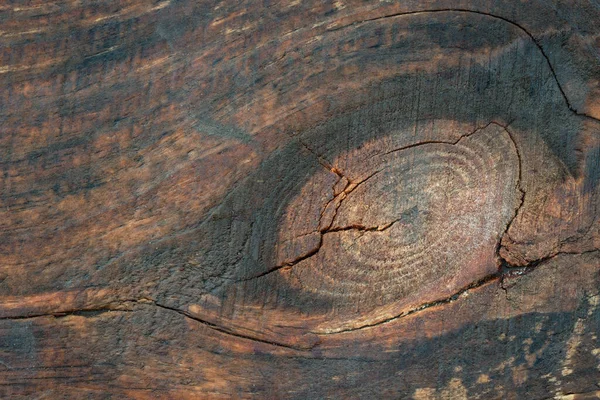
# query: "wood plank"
350,199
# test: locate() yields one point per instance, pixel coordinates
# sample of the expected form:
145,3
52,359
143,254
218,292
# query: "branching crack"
350,187
325,228
505,269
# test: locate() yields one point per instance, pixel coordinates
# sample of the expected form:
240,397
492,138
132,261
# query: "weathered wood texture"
285,199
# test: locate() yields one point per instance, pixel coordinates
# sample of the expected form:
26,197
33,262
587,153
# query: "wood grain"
350,199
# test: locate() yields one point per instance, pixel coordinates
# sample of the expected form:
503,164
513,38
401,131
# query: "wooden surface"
304,200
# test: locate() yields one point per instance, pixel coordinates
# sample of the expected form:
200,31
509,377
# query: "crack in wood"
502,261
350,187
509,270
231,332
118,306
490,15
455,142
505,269
504,272
485,280
362,228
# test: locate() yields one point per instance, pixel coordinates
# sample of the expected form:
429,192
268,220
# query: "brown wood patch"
350,199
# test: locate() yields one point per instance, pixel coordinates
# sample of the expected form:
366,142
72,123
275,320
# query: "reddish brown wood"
350,199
